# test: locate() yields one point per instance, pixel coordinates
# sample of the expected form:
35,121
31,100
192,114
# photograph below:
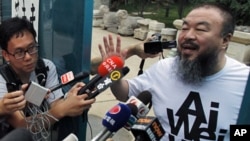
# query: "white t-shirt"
194,112
52,80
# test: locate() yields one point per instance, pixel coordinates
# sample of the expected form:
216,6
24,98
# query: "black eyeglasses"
20,53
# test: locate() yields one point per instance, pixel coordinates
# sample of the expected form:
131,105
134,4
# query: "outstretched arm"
109,49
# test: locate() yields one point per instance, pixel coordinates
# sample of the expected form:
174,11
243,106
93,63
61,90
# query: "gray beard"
193,72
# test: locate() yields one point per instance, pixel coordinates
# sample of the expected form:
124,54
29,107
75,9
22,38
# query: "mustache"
189,44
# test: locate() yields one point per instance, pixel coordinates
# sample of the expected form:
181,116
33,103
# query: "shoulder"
166,63
236,65
48,63
236,70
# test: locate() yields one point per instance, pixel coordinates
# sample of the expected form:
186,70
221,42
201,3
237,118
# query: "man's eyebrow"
204,23
185,22
29,45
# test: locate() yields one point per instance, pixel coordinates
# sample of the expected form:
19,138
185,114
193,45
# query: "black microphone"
69,78
147,129
133,118
141,101
104,82
90,85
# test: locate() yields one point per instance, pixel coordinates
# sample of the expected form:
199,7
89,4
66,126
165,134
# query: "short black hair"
14,26
226,13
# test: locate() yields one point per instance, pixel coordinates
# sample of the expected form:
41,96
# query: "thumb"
74,90
24,87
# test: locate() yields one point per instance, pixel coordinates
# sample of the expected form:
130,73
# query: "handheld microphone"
69,78
114,119
147,129
107,81
132,119
106,67
141,101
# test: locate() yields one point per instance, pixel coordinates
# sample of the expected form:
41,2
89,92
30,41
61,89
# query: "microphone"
113,120
106,67
69,78
107,81
141,101
147,129
132,119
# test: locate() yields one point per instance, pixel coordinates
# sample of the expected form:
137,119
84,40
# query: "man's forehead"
204,15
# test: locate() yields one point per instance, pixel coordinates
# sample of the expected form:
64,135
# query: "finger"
16,100
118,45
102,51
83,96
106,44
24,87
111,44
21,105
13,106
13,94
74,89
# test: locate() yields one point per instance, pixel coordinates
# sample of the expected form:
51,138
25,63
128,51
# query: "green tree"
240,9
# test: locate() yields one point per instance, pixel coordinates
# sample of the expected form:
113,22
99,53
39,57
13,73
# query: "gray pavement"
106,100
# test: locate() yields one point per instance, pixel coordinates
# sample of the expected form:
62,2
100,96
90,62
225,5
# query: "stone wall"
239,47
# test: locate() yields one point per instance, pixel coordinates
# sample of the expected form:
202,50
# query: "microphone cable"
38,120
90,129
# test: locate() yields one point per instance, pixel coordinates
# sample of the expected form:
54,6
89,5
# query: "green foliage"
157,11
240,9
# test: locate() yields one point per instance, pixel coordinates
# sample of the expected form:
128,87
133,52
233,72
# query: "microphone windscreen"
108,65
145,97
116,117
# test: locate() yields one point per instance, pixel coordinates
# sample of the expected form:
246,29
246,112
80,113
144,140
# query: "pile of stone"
243,28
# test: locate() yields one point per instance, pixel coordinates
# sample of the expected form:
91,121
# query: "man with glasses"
20,51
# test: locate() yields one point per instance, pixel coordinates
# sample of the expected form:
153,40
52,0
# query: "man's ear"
5,55
226,40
